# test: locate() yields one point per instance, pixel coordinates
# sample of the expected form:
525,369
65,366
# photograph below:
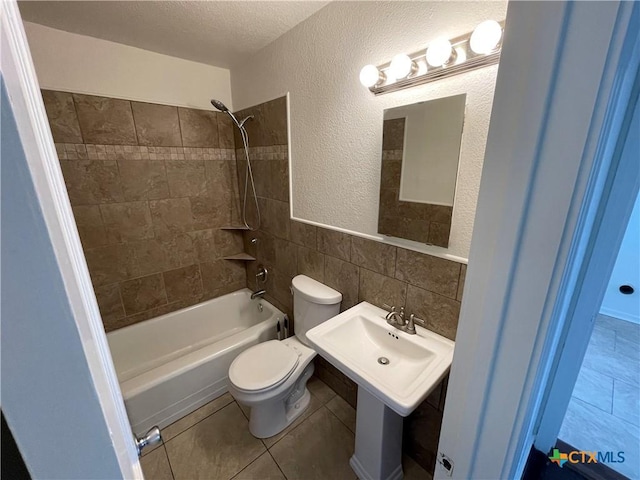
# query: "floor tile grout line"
276,462
243,413
341,421
624,419
189,428
296,427
609,333
164,446
249,464
613,396
199,421
588,402
148,452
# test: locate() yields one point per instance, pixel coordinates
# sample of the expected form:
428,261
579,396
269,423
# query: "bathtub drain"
383,361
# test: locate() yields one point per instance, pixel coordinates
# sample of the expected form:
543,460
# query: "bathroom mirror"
420,153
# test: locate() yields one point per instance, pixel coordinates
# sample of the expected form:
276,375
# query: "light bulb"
401,66
439,52
369,76
485,37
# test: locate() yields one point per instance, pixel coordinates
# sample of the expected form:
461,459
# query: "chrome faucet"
258,293
396,319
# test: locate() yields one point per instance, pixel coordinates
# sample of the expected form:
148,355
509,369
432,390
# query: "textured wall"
361,269
336,124
77,63
150,186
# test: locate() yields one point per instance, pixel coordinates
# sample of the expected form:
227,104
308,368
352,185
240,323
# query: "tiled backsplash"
150,186
361,269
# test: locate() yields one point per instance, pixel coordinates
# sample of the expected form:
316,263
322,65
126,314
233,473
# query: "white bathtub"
173,364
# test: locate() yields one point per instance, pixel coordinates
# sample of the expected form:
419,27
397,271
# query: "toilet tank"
313,303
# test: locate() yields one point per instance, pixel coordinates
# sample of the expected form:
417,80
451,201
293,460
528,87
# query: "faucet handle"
410,327
262,274
391,313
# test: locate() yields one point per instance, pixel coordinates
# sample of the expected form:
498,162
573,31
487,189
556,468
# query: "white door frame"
620,184
560,83
31,391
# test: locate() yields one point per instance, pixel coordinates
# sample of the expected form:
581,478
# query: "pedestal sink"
394,371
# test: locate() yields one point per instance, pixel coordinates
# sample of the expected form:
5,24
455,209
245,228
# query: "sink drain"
383,361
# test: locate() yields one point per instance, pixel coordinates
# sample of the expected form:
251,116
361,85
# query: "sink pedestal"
361,344
378,453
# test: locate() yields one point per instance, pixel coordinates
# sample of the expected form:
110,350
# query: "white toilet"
271,377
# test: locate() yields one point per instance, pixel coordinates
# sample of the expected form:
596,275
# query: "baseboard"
626,316
362,474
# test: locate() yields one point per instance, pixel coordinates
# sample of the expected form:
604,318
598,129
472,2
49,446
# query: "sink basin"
397,368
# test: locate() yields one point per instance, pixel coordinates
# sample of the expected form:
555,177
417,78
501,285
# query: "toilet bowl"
271,377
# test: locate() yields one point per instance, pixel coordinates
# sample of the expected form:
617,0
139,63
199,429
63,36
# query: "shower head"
223,108
219,105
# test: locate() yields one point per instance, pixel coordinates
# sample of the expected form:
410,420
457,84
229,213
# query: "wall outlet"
446,463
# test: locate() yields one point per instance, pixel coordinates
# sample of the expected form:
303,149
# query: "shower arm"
239,124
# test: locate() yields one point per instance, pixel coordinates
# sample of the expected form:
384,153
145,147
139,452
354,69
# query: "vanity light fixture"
371,76
442,58
402,66
440,53
486,37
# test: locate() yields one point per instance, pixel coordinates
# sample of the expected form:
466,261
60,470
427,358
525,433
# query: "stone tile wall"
422,222
361,269
150,186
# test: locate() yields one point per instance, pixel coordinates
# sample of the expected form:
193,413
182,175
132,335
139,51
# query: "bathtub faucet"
258,293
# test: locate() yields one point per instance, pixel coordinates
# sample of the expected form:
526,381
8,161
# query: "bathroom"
172,219
159,246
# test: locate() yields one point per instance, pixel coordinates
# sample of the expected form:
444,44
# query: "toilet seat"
263,366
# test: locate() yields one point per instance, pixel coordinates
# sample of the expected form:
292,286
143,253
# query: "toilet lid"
262,366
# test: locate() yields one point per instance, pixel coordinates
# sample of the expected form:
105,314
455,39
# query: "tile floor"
214,443
604,412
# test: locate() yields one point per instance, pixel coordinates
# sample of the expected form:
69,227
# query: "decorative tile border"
79,151
392,154
274,152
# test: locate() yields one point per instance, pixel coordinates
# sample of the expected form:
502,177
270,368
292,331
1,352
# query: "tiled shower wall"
361,269
150,186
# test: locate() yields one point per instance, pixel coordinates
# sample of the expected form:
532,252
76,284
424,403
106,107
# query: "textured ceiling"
223,34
